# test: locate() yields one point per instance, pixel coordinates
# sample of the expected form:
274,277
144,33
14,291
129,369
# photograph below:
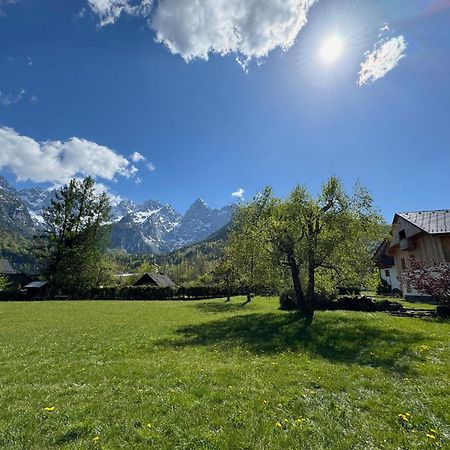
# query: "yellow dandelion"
278,425
286,420
431,436
149,425
50,408
96,440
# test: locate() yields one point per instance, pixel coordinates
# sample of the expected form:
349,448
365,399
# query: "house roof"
160,279
36,284
6,268
432,222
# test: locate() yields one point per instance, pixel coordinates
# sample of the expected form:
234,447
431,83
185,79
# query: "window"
387,273
402,234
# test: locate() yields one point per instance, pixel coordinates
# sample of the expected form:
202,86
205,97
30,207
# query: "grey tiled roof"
6,268
432,222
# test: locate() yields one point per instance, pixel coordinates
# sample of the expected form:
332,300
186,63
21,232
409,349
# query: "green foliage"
210,374
3,281
75,238
321,241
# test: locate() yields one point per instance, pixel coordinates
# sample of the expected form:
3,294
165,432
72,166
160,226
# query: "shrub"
349,290
360,304
287,300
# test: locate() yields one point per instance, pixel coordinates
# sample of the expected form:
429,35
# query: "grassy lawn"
211,375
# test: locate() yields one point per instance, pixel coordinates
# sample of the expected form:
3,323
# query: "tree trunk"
249,298
228,294
310,296
295,272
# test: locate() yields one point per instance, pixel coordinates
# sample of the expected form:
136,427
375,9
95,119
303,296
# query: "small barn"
154,279
6,268
14,279
38,290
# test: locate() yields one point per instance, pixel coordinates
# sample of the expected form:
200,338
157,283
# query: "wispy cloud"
10,99
59,161
4,3
151,167
239,193
385,55
110,10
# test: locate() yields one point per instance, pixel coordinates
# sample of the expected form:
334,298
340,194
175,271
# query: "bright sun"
331,49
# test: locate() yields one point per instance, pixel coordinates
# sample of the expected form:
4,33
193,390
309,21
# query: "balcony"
406,244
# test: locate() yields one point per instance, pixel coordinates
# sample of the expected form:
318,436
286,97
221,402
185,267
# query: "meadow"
214,375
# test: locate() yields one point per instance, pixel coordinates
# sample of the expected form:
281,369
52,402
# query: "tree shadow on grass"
216,307
350,340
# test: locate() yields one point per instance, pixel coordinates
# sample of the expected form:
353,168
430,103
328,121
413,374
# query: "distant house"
14,278
154,279
6,268
424,235
38,290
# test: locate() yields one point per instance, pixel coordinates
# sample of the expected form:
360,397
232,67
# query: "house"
14,279
388,272
154,279
6,268
424,235
38,290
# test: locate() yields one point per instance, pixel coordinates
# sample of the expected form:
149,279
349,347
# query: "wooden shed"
38,290
154,279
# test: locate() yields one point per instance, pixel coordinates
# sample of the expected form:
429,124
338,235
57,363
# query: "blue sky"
208,127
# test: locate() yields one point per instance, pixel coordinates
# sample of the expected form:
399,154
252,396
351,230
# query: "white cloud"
110,10
251,28
57,161
136,157
10,99
196,28
239,193
385,55
151,167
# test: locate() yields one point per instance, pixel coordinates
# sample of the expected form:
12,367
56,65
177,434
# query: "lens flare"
331,49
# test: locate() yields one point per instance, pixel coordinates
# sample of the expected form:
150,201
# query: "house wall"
433,249
391,279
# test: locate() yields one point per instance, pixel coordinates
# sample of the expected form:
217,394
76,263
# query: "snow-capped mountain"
158,228
36,200
14,215
136,228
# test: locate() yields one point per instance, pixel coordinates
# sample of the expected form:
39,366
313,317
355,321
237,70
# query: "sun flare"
331,49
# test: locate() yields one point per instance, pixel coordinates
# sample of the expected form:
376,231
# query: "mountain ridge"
147,227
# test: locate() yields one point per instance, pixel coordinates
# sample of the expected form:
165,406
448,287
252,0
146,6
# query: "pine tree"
75,236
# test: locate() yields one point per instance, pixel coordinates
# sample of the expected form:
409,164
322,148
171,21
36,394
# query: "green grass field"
211,375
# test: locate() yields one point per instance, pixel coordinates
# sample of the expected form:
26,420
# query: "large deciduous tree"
75,236
331,235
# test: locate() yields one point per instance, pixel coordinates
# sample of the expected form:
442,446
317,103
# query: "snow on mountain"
136,228
14,215
36,200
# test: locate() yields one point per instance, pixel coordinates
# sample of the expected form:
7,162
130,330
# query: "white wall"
392,278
